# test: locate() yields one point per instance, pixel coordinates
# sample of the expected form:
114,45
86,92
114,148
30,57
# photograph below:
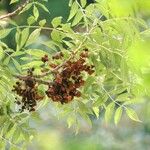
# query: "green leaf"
2,144
25,58
4,33
86,117
56,35
1,53
32,64
118,114
27,7
83,3
71,120
89,10
70,3
67,28
109,112
84,108
17,37
24,36
7,128
17,53
13,1
6,61
96,111
73,11
17,65
42,22
31,20
132,114
16,135
35,12
36,52
33,37
99,101
43,7
56,21
89,82
77,18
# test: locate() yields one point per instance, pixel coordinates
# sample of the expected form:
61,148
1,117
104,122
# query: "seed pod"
44,58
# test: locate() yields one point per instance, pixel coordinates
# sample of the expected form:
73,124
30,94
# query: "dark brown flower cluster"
27,89
44,58
69,79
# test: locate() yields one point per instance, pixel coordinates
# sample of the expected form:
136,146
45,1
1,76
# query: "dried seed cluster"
44,58
67,81
65,85
27,89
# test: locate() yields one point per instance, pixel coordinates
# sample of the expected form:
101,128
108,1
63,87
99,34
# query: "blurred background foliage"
55,135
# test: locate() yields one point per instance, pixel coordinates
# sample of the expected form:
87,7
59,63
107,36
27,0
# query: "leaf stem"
112,98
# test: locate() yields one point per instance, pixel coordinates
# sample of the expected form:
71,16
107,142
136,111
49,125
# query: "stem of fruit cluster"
61,65
24,78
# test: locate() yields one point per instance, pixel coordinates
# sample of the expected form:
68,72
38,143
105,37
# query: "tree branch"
15,12
24,78
58,67
64,63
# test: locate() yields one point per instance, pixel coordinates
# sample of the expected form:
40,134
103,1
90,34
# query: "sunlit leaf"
83,3
118,114
56,21
73,11
132,114
35,12
109,112
33,37
4,32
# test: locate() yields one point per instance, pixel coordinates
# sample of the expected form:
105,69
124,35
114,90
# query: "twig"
112,98
59,66
64,63
72,55
84,16
51,71
15,12
24,78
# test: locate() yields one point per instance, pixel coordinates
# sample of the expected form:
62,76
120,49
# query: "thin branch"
64,63
24,78
15,12
84,16
51,71
112,98
72,55
59,66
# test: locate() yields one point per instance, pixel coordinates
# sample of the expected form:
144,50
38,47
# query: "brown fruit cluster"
69,79
27,89
44,58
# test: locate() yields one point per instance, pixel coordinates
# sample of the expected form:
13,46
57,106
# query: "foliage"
109,29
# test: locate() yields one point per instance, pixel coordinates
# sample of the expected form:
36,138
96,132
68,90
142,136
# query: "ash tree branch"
15,12
64,63
58,67
24,78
